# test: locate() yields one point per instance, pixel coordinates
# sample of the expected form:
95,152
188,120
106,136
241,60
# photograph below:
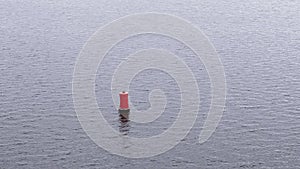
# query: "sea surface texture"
258,43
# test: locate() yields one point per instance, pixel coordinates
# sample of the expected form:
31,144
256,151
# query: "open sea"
258,43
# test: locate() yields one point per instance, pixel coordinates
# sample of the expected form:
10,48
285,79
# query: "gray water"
258,43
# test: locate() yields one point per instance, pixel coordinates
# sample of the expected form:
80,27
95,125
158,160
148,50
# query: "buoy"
124,106
124,100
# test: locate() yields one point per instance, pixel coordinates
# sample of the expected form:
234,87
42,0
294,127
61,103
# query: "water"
257,41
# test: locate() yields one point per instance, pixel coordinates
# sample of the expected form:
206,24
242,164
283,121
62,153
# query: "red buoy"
124,101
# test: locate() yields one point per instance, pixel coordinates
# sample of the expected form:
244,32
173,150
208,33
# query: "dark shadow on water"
124,126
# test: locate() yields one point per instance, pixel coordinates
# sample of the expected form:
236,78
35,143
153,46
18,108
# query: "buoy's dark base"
124,114
124,110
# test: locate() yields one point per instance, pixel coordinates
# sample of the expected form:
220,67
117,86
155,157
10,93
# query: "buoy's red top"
124,100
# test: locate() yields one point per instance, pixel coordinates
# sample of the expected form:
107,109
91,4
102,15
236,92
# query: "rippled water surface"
258,43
